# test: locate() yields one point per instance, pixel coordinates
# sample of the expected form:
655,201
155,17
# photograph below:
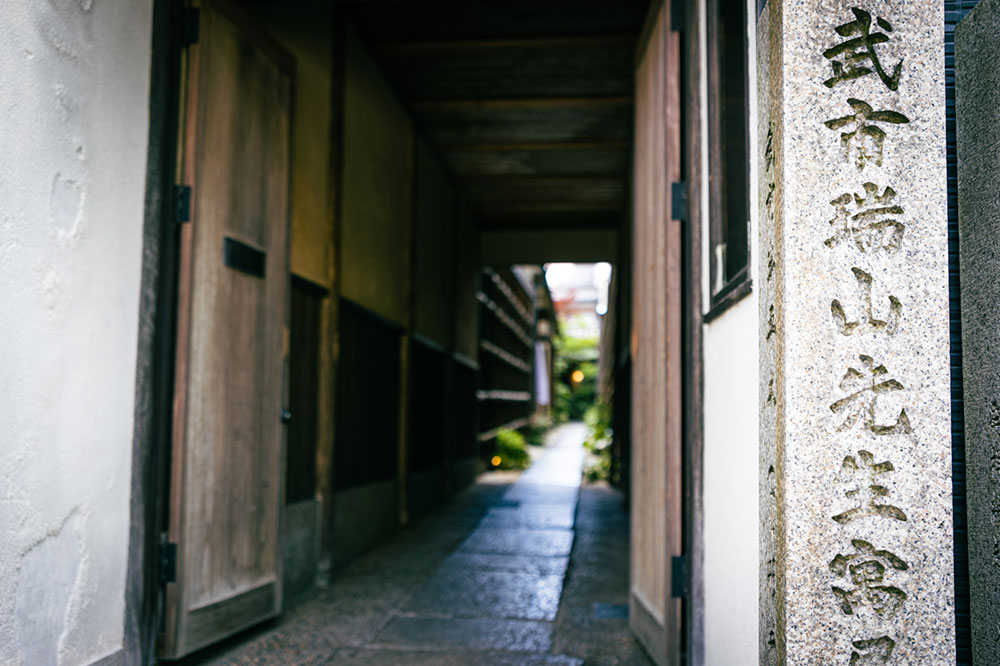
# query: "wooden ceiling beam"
545,224
533,179
568,207
555,146
513,103
448,46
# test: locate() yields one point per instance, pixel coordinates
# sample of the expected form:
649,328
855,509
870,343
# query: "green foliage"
537,431
600,436
572,399
511,450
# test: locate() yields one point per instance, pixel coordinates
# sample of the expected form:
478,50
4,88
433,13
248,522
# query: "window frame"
721,122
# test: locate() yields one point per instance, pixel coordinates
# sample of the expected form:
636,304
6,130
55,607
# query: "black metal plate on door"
243,257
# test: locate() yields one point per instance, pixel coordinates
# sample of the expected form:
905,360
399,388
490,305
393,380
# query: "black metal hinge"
679,200
168,563
182,204
678,15
187,25
678,577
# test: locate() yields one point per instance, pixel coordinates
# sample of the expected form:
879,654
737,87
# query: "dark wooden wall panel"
367,445
465,411
303,363
428,395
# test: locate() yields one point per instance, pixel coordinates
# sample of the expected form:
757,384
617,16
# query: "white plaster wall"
731,441
74,95
730,487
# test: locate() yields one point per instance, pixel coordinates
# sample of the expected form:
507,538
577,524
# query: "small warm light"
495,461
577,376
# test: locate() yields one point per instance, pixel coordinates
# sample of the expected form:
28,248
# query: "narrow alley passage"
520,569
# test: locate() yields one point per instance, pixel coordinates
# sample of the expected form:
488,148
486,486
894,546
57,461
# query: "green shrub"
537,431
572,399
511,449
600,436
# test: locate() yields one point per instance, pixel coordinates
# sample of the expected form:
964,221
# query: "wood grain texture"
227,470
657,487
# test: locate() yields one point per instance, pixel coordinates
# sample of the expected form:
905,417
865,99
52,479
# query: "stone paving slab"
598,580
557,516
490,594
519,541
542,494
468,633
386,657
529,564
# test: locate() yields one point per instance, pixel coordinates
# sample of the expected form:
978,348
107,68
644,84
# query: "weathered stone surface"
299,547
519,541
977,51
856,540
469,633
391,657
493,594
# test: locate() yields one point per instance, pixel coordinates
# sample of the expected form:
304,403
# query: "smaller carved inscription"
869,220
863,388
867,321
851,57
865,136
872,651
769,148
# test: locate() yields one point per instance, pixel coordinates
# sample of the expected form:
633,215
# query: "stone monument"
856,538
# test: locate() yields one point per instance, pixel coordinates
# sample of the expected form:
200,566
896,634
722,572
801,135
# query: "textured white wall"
74,94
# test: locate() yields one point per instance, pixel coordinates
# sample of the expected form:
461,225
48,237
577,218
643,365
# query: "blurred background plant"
600,437
575,377
511,451
536,433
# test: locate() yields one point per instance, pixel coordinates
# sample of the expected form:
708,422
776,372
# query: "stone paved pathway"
529,572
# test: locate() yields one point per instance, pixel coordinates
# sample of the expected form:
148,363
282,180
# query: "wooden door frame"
154,382
692,138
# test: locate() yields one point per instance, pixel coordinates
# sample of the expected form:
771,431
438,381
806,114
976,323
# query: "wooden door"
656,534
227,458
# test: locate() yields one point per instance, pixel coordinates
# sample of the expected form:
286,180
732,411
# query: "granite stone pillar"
977,54
856,508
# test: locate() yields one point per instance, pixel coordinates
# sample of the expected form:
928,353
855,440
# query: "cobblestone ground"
529,569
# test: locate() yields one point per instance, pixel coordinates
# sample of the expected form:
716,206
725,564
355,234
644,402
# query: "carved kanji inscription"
869,220
865,572
851,58
863,388
861,476
872,651
866,321
864,135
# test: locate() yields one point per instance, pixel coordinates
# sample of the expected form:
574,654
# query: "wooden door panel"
227,481
657,478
